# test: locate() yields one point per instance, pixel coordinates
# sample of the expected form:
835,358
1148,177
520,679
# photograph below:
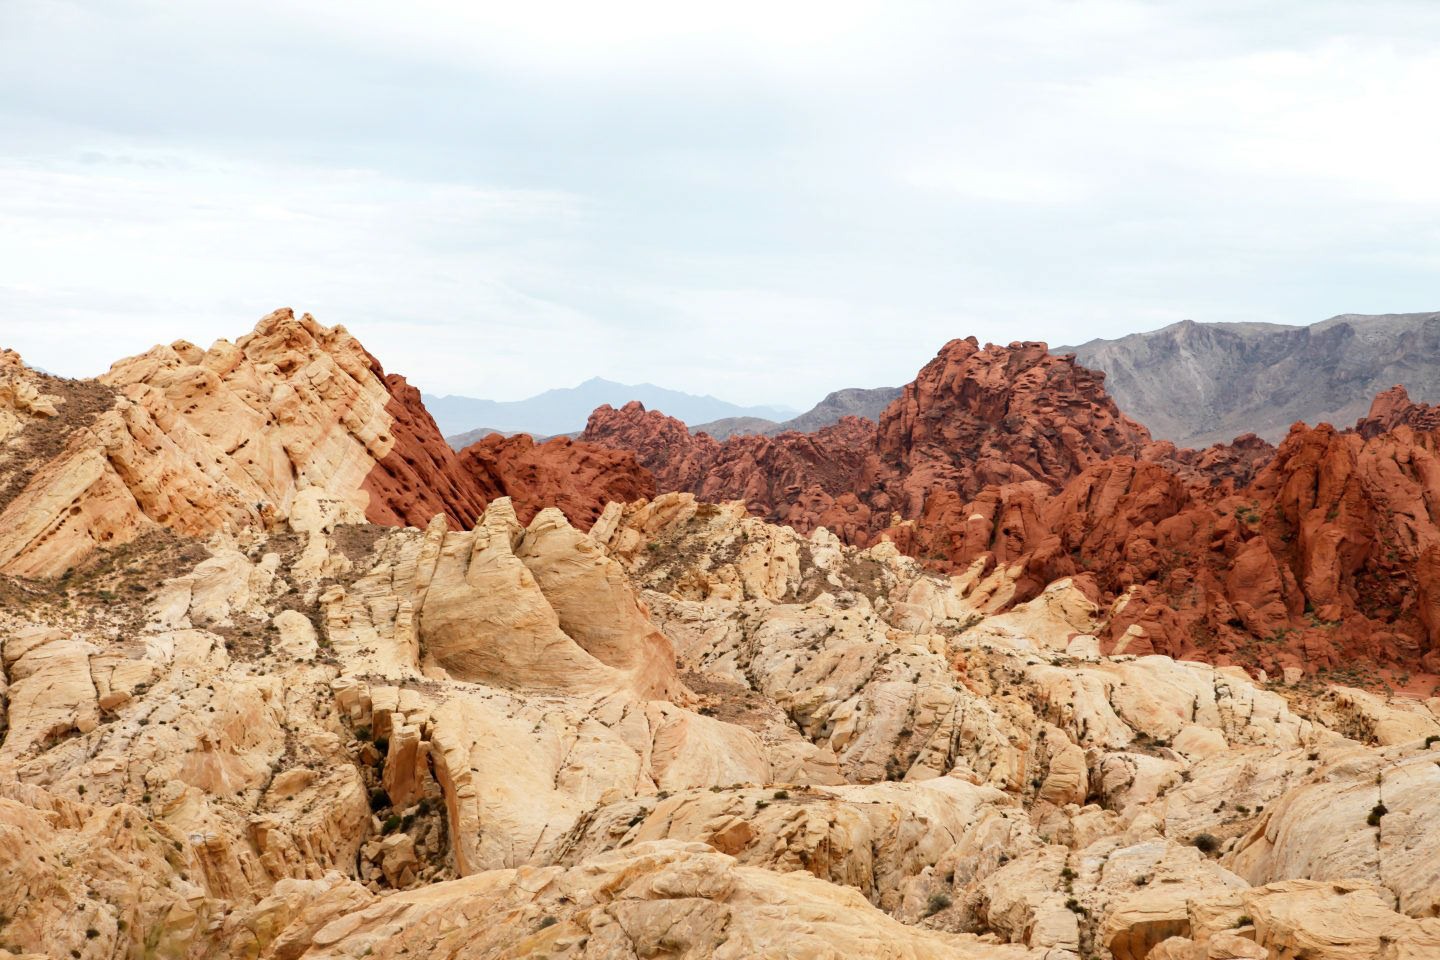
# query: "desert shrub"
1206,843
938,901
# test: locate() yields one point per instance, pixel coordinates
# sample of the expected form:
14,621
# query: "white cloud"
756,200
120,252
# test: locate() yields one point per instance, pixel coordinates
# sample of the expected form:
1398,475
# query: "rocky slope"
972,417
1203,383
1318,555
687,733
670,728
242,436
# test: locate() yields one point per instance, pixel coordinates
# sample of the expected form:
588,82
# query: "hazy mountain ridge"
565,409
1200,383
849,402
459,441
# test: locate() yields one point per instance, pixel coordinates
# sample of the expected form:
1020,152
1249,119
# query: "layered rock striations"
242,436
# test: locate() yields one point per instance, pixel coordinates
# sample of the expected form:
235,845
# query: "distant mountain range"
850,402
1193,383
1202,383
565,410
853,401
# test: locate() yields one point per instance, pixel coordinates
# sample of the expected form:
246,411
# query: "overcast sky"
760,200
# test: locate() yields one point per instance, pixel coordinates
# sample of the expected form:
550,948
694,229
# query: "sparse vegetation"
1206,843
937,902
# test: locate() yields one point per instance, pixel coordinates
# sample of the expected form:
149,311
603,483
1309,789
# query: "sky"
763,201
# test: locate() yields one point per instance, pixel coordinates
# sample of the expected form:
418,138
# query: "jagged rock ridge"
972,417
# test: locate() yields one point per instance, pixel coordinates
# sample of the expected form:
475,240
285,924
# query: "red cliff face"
420,476
579,478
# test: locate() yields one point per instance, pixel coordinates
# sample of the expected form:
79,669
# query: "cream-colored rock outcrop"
650,900
686,733
1315,920
541,608
200,441
22,396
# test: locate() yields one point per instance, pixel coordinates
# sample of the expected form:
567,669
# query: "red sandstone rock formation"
663,445
1223,466
1331,554
1393,408
1322,551
420,476
794,478
579,478
972,417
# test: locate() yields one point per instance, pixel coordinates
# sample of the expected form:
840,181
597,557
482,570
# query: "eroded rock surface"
669,728
1320,553
243,435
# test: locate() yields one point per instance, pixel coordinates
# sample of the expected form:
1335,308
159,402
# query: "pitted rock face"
686,732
